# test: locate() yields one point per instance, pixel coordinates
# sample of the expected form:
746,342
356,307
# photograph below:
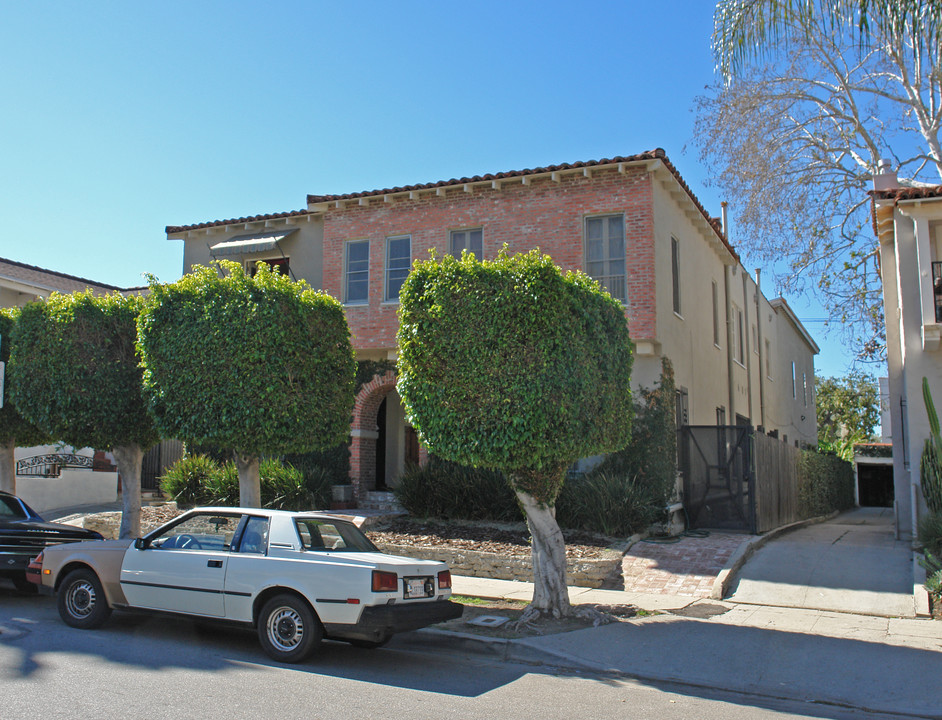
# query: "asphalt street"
152,667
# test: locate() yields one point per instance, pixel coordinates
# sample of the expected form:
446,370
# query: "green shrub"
650,459
930,533
825,484
187,480
609,503
445,489
200,480
223,486
933,583
334,463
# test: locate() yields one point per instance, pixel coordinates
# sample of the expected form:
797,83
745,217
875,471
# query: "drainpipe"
762,358
727,275
747,338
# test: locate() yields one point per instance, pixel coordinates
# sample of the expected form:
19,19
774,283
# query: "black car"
23,535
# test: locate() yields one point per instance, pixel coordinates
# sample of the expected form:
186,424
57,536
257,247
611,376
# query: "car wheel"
81,600
288,629
370,644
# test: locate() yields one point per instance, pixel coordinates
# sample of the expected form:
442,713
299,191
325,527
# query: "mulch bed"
509,540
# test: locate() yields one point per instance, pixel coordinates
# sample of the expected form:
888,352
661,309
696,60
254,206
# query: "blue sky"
121,118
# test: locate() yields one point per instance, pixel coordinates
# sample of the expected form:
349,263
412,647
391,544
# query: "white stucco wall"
72,488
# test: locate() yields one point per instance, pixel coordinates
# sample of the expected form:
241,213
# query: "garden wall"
589,573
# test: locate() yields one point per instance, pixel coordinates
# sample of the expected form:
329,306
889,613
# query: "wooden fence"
776,483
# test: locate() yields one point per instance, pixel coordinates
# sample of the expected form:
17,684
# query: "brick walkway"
687,567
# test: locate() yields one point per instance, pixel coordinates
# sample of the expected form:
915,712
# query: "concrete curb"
725,577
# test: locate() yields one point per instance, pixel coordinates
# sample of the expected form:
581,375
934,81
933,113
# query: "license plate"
416,587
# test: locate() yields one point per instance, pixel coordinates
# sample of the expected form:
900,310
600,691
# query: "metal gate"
719,481
157,460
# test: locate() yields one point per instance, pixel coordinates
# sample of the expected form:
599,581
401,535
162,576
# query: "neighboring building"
908,224
630,222
53,476
21,283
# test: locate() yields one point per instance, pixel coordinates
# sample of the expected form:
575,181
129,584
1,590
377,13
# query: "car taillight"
444,579
385,581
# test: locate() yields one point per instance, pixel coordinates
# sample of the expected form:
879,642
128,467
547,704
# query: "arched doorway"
381,443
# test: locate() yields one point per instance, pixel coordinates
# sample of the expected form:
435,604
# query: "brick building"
630,222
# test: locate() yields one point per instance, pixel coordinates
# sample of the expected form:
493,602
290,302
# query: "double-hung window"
398,261
357,272
738,339
470,240
605,253
675,274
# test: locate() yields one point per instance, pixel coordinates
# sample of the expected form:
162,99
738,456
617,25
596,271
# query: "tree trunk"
250,484
8,467
550,593
129,459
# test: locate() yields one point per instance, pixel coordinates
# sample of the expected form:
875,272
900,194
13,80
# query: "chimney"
885,179
725,216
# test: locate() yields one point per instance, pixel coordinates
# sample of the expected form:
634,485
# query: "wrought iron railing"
615,284
51,465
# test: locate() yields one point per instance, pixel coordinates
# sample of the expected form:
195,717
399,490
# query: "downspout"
730,378
762,358
747,338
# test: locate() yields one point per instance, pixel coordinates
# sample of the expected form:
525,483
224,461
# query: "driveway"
849,564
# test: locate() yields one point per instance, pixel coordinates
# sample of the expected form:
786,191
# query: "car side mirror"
141,544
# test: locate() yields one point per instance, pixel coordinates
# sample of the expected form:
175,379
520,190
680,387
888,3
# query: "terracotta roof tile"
171,229
908,193
656,154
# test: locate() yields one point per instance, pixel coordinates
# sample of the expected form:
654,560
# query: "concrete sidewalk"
871,663
850,563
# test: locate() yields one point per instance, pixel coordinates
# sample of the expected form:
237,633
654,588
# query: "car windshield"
10,509
325,535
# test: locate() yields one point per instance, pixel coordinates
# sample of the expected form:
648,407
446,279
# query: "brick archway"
364,432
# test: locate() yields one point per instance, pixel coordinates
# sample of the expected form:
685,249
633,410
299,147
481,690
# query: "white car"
296,577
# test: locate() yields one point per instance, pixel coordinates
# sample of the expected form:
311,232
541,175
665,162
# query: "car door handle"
214,563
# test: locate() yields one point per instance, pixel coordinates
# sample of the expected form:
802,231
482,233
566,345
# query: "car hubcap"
81,599
285,628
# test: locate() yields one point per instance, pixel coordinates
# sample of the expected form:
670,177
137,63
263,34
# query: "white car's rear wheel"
81,600
288,629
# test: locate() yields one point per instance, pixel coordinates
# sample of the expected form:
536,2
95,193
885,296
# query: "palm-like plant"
743,29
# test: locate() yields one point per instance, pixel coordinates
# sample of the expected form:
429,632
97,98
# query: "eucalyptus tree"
254,365
510,365
814,97
77,378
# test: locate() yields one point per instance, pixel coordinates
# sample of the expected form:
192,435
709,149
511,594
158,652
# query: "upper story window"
716,315
398,261
470,240
768,359
357,272
277,265
675,273
605,253
794,383
738,336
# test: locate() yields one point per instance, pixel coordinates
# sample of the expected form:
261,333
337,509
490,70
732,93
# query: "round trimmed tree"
257,365
15,430
77,378
511,365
